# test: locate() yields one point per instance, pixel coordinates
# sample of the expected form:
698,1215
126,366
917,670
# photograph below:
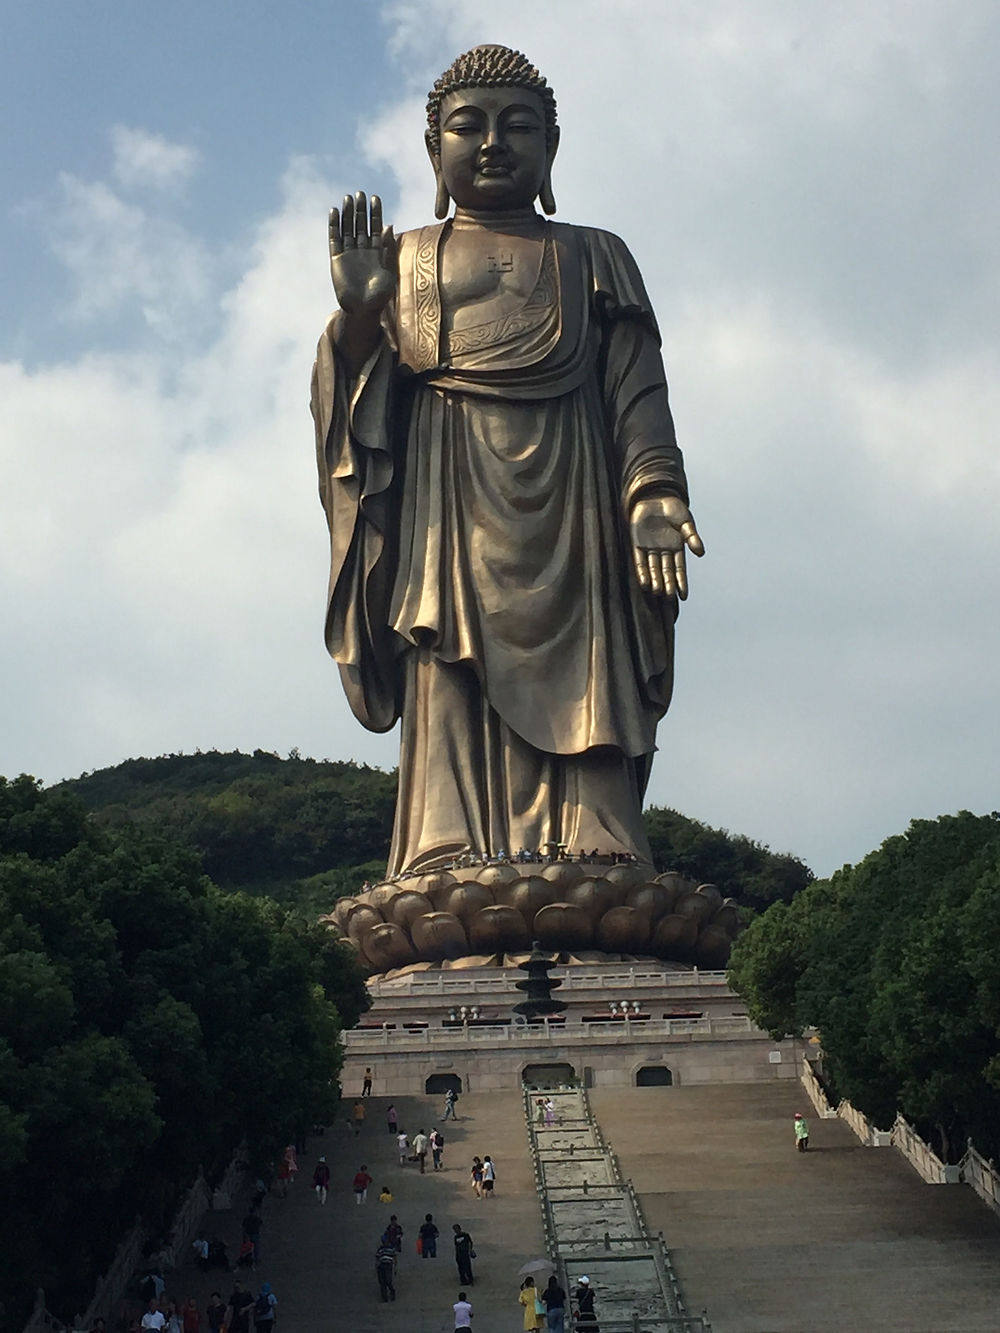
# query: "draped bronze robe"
477,488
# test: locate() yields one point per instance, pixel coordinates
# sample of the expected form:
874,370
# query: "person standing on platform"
321,1179
366,1085
385,1268
489,1176
534,1317
554,1300
464,1254
428,1237
420,1142
801,1132
583,1298
463,1313
361,1182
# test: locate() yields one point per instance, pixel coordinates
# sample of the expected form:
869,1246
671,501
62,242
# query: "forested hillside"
149,1022
306,832
301,831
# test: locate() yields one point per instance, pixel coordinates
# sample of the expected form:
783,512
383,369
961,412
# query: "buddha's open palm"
362,256
661,530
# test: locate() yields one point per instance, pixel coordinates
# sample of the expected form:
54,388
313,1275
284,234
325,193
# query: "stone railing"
41,1320
922,1158
501,981
548,1034
111,1287
982,1176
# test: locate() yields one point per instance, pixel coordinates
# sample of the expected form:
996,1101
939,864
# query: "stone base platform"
670,1026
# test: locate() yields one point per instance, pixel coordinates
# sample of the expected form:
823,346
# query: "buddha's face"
494,154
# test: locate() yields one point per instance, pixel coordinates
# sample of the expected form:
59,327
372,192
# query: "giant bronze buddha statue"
508,514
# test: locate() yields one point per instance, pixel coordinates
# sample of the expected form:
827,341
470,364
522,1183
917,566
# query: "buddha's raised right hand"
362,257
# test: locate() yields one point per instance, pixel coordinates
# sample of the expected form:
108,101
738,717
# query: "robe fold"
477,486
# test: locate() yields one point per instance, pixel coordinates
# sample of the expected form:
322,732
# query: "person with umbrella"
534,1311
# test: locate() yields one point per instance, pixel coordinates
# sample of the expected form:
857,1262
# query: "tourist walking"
550,1111
463,1313
534,1310
583,1300
321,1179
403,1143
385,1268
395,1233
191,1319
215,1312
540,1111
237,1318
392,1119
265,1308
359,1115
437,1147
464,1254
477,1176
361,1182
489,1176
420,1142
801,1132
450,1098
554,1300
428,1237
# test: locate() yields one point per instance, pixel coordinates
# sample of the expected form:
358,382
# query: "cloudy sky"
811,191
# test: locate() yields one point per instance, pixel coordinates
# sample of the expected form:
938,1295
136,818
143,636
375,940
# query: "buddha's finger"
655,571
680,574
361,219
641,569
691,536
667,571
376,217
336,236
347,219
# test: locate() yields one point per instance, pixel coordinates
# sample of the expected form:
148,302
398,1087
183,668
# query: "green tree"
894,961
741,868
148,1022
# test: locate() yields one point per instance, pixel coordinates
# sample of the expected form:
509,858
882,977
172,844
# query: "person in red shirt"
361,1182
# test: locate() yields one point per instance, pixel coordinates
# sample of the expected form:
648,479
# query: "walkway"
595,1225
774,1241
320,1260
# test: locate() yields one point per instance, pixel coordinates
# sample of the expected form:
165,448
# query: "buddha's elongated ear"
442,199
545,196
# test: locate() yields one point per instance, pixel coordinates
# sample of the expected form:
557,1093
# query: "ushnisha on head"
492,133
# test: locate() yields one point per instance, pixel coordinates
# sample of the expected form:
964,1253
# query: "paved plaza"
842,1238
320,1259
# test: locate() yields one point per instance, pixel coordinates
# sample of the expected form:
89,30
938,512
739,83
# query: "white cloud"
149,161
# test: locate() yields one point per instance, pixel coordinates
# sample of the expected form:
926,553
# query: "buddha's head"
492,133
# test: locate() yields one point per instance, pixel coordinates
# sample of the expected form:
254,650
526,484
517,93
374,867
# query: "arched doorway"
437,1084
548,1076
654,1076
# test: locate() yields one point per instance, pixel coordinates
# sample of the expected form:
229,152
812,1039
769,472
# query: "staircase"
594,1224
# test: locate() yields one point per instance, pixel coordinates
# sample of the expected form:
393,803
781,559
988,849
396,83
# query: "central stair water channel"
594,1225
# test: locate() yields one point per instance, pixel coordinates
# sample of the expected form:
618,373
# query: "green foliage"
741,868
297,830
894,960
148,1022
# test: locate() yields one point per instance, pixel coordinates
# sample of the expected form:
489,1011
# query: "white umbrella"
536,1266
